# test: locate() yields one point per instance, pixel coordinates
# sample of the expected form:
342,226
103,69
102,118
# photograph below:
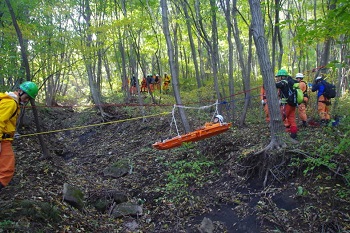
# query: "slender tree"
23,47
173,69
257,28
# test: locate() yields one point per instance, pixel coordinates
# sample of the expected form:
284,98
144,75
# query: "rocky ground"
212,179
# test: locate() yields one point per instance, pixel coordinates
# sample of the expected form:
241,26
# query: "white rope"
202,107
199,108
216,110
174,120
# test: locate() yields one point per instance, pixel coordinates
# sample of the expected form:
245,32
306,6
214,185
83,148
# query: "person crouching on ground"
9,112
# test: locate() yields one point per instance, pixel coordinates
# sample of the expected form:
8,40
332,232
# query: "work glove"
263,102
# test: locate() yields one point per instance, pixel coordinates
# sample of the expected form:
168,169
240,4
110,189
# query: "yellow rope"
93,125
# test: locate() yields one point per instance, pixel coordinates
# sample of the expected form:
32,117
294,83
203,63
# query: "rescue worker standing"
287,108
302,107
9,112
166,83
323,102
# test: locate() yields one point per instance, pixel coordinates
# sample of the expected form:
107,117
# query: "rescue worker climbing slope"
287,109
9,112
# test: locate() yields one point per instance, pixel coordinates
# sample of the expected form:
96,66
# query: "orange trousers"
323,110
266,111
7,162
302,112
288,115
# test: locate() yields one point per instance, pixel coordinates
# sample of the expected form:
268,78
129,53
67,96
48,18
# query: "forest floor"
176,188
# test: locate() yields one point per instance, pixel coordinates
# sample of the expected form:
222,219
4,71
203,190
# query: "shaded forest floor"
176,188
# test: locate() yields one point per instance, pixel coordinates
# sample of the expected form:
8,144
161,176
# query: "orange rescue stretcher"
209,130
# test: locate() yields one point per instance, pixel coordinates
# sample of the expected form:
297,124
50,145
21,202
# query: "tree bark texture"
257,27
173,69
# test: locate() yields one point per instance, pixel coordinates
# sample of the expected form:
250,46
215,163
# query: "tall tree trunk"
257,27
276,36
88,59
173,69
215,50
211,43
246,82
201,62
244,67
46,153
227,9
193,47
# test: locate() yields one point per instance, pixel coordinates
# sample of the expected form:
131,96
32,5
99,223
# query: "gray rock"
126,209
206,226
73,196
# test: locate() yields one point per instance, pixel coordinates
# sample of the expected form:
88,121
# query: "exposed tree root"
268,164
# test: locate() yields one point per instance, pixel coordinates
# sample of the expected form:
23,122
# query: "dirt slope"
176,188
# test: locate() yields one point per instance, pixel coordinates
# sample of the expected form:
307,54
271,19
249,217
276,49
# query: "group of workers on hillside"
10,110
284,84
150,83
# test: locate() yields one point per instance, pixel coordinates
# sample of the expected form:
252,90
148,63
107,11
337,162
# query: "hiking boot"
304,124
323,122
293,135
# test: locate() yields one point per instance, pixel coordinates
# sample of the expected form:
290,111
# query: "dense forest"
91,60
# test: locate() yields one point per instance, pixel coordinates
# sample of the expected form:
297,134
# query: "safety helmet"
30,88
282,72
299,75
220,118
318,78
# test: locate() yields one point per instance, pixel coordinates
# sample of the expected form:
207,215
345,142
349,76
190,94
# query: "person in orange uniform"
157,82
285,120
166,83
264,103
133,88
323,102
302,107
287,109
9,112
144,85
150,82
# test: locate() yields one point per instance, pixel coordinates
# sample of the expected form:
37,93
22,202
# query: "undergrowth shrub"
331,149
186,174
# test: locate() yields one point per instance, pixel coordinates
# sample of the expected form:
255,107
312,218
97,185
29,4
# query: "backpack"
296,95
329,90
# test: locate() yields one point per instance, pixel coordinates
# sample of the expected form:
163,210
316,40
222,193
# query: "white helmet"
318,78
299,75
220,118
